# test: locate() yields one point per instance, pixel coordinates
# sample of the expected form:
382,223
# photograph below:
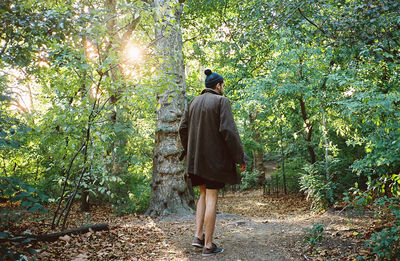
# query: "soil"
272,230
249,227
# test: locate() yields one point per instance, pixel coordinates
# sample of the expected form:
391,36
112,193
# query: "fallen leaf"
65,238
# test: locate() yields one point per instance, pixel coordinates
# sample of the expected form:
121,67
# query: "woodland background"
314,88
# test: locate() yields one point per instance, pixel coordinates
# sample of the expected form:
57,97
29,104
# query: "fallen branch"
54,236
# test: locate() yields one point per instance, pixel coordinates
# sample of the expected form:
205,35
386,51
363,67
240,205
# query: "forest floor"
249,227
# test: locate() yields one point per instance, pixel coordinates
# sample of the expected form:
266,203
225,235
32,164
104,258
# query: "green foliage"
286,64
11,254
6,252
385,244
77,98
314,235
294,170
133,197
317,187
17,191
249,179
29,199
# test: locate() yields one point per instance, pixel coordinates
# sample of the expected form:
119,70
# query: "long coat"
210,138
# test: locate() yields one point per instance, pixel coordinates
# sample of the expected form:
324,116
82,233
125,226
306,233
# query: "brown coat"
210,138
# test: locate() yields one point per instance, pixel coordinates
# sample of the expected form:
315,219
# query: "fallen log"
54,236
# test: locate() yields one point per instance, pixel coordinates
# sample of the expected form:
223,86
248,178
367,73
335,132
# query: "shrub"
385,244
249,179
30,199
317,187
314,235
133,197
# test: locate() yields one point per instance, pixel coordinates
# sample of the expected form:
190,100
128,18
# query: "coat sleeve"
229,132
183,133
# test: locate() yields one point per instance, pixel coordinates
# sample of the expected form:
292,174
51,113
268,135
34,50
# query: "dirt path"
241,238
269,236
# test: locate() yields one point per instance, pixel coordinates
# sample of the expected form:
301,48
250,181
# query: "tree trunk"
258,155
283,163
309,126
85,207
308,130
118,158
169,189
325,130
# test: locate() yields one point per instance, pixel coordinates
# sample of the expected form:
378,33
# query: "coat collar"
209,90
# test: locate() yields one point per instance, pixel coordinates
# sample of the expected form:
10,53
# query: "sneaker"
197,242
212,251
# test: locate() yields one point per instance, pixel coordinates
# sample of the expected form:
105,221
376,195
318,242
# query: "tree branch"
130,28
55,236
311,22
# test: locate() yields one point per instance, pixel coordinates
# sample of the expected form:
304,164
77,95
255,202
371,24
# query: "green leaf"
26,204
35,207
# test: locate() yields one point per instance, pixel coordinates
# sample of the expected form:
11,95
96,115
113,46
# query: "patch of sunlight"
132,55
91,50
133,52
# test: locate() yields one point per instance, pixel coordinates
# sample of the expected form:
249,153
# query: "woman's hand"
243,167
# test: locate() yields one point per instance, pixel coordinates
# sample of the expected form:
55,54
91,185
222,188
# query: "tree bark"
325,131
283,162
308,125
170,193
258,155
308,130
55,236
118,162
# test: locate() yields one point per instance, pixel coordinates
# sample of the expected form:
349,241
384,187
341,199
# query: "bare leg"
210,215
200,210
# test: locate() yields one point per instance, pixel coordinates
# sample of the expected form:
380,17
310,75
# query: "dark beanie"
212,78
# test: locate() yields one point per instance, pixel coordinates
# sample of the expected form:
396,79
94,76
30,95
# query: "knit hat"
212,78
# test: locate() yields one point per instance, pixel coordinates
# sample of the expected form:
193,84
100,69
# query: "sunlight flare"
132,56
133,52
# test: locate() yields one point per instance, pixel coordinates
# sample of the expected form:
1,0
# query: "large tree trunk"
169,189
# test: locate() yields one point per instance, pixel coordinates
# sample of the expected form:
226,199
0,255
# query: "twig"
311,22
89,124
338,214
65,183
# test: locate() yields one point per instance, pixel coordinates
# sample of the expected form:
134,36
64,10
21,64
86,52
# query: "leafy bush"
29,199
317,187
133,197
249,179
385,244
314,235
18,191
